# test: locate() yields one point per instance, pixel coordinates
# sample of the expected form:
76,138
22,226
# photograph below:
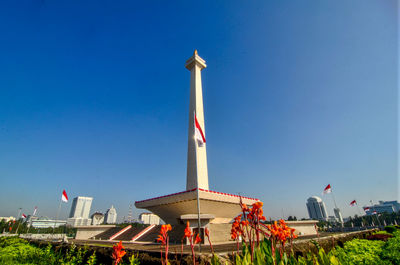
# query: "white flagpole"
372,206
360,213
334,201
18,217
33,214
197,180
58,212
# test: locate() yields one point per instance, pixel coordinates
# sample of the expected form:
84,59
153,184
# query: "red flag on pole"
64,196
353,203
198,132
328,189
23,215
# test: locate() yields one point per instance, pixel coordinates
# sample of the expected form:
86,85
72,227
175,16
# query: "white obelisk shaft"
197,172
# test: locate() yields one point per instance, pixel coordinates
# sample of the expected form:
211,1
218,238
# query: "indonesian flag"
366,208
23,215
198,132
374,212
64,196
353,203
34,211
328,189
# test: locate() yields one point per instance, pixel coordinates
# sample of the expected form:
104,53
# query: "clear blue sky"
94,99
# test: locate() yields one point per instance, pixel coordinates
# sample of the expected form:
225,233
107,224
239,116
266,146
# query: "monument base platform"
177,208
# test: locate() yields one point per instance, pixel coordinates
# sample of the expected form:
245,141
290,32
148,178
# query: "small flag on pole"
64,196
327,189
353,203
23,215
34,211
198,132
366,209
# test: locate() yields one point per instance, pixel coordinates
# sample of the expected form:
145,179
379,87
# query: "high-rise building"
149,219
80,209
111,216
316,208
338,215
97,218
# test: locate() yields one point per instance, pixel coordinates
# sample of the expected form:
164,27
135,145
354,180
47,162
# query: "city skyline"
296,96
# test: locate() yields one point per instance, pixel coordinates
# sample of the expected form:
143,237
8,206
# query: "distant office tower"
80,210
338,215
149,219
316,208
111,216
383,207
81,207
97,218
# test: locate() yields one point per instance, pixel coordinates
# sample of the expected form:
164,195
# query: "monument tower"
197,172
217,209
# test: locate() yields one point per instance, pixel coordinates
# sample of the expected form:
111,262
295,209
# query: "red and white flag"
374,212
64,196
198,132
34,211
327,189
353,203
23,215
366,209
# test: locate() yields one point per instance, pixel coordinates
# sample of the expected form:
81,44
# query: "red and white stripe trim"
120,232
143,232
210,191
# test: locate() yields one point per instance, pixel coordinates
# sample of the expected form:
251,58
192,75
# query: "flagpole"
379,223
359,211
33,214
334,201
19,213
58,212
197,180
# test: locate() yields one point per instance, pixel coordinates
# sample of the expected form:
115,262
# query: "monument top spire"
195,60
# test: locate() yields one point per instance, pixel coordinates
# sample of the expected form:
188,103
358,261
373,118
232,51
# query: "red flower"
162,237
118,252
197,240
188,231
207,232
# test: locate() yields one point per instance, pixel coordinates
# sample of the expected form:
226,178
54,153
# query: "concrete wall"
219,233
303,228
86,232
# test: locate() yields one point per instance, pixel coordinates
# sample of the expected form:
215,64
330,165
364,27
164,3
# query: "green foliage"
360,251
92,259
14,250
381,233
263,256
391,249
390,229
134,259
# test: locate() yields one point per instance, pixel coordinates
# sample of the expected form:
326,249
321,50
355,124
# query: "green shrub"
360,251
18,251
14,250
381,233
9,241
390,229
391,250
